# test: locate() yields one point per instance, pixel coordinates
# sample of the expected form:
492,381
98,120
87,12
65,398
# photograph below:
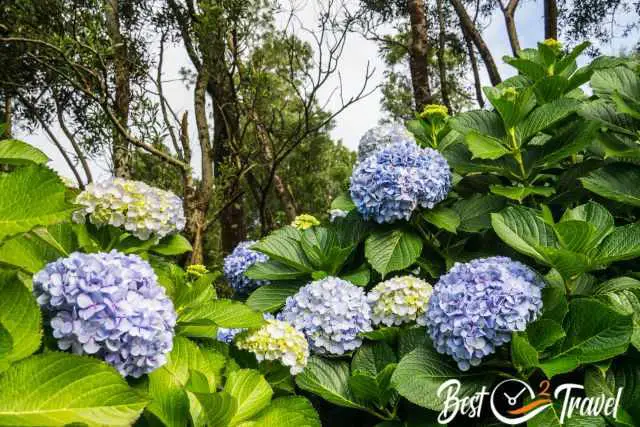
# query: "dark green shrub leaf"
392,250
270,298
329,379
445,218
14,152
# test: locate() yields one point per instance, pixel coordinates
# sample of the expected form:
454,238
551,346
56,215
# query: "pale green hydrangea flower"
399,300
277,340
304,221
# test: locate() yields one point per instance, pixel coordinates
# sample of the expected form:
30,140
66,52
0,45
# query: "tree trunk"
419,54
477,84
476,37
8,117
550,19
122,99
510,22
442,66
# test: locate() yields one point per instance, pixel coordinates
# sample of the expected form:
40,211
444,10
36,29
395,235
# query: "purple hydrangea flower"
226,335
380,137
389,185
237,262
331,313
477,305
109,305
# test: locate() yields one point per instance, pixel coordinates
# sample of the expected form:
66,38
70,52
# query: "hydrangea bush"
523,215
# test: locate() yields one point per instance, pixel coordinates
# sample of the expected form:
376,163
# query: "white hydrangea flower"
399,300
142,210
277,340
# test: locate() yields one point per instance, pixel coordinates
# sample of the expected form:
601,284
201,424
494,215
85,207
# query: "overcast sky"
352,123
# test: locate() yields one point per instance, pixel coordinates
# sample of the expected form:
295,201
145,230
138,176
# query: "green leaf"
328,379
359,277
445,218
622,244
523,354
223,312
372,358
521,193
293,411
29,197
176,244
546,116
595,215
392,250
250,390
343,202
57,389
387,334
617,182
286,250
523,230
543,333
550,417
14,152
6,345
483,122
274,270
619,79
412,338
594,332
272,297
484,147
421,372
623,294
20,317
219,408
475,212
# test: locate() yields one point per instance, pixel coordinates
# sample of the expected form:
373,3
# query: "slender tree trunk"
550,19
476,37
122,100
509,13
8,117
442,66
477,83
419,54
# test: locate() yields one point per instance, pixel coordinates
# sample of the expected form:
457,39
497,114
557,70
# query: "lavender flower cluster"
380,137
142,210
331,312
477,305
109,305
390,184
237,263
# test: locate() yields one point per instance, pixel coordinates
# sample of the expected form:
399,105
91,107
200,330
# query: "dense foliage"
496,243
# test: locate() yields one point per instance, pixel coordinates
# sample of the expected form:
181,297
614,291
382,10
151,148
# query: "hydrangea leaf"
6,345
329,379
420,373
57,389
359,277
543,333
322,248
523,354
412,338
617,182
546,116
271,298
481,121
521,193
223,312
14,152
250,390
31,196
372,358
485,147
392,250
293,411
20,316
524,231
274,270
594,214
176,244
594,332
624,373
343,202
475,212
285,250
623,294
218,407
550,417
445,218
387,334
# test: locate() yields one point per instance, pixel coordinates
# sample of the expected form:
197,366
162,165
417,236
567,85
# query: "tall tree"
550,19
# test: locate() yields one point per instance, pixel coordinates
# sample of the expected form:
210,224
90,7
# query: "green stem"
517,154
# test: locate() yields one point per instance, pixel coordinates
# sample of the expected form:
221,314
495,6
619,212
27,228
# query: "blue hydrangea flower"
380,137
142,210
477,305
226,335
237,262
331,313
109,305
389,185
